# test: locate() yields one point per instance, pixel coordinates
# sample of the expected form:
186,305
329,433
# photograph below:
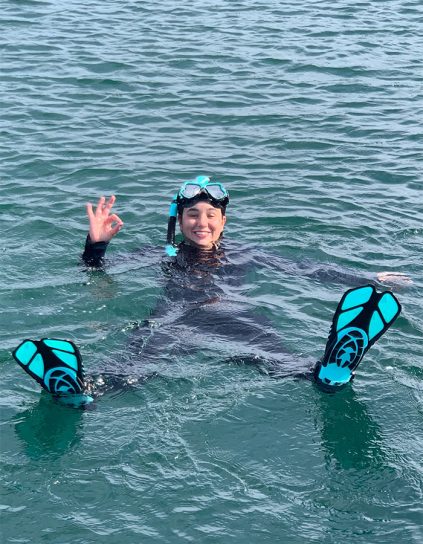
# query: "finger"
113,219
100,205
394,277
89,208
394,273
110,202
402,279
117,223
116,229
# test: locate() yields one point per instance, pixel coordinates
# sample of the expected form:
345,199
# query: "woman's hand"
394,279
103,225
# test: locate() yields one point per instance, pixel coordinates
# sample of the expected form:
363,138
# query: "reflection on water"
350,437
48,429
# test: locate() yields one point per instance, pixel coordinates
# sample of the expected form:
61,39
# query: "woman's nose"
202,219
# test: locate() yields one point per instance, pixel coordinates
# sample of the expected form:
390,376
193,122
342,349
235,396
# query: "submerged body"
194,309
205,298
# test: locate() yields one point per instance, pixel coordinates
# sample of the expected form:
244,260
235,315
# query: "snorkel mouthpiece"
171,251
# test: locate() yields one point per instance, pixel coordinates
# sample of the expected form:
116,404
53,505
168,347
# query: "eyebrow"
195,209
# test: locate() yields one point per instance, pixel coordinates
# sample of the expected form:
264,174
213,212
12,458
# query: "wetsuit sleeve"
324,273
344,277
94,252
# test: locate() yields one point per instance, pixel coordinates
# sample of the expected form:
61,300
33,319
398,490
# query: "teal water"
310,113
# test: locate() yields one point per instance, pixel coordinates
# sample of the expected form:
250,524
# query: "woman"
200,208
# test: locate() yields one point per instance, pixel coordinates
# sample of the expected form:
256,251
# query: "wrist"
99,243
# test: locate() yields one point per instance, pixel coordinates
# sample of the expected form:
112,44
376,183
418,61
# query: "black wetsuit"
198,303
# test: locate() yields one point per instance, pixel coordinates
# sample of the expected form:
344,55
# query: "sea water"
311,114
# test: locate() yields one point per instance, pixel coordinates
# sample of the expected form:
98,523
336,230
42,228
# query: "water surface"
310,113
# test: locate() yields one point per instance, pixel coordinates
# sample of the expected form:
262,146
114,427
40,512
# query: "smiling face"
202,224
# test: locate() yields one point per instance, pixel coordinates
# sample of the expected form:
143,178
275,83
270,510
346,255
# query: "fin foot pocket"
75,401
362,316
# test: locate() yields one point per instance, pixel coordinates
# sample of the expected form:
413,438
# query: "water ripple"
311,113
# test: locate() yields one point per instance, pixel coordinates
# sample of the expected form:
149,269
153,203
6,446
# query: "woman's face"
202,224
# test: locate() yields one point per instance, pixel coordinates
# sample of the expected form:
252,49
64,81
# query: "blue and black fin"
361,318
55,364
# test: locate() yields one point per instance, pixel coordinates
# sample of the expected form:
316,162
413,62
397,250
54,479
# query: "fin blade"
25,352
67,358
361,318
376,325
389,307
58,371
63,345
37,366
346,317
356,297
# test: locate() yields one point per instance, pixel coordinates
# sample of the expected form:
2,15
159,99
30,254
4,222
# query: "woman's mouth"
201,233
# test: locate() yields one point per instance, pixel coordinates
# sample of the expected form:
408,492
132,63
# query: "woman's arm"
104,225
348,277
335,274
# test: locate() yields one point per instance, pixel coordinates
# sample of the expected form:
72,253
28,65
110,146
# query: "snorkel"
170,248
201,188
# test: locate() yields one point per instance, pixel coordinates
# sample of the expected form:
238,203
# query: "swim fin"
56,365
361,318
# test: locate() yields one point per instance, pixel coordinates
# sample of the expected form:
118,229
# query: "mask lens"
215,191
190,190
